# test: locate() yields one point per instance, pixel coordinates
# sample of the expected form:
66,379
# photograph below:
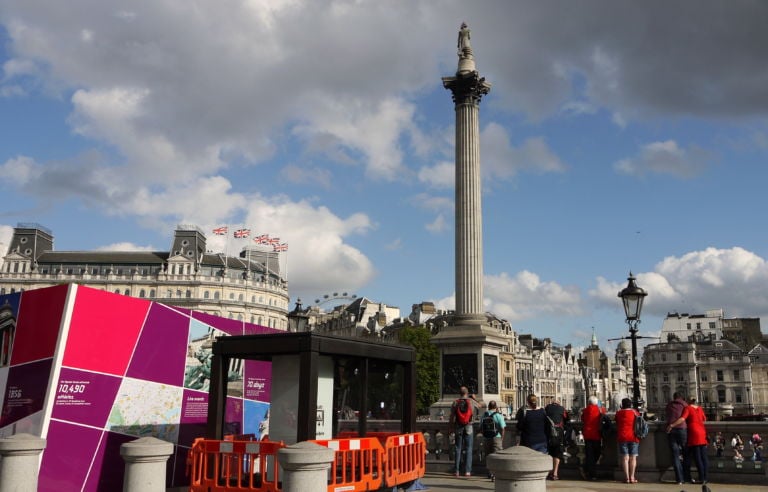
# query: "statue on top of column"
465,50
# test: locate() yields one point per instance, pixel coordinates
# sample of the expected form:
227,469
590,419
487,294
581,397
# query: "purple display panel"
161,352
257,380
108,469
25,390
68,456
194,416
233,416
85,397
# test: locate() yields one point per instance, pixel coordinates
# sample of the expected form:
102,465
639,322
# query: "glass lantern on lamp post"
632,297
298,319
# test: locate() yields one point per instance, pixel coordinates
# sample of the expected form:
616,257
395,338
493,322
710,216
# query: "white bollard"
19,462
305,466
519,469
145,463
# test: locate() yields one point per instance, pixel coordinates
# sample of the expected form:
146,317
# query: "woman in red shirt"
629,445
694,417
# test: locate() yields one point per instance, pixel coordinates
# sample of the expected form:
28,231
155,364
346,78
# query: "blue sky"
617,136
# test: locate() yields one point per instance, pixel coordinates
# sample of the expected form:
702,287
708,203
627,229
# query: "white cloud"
6,234
501,160
665,158
441,176
525,296
732,279
125,246
438,225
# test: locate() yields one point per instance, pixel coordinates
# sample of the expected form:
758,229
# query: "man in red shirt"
590,419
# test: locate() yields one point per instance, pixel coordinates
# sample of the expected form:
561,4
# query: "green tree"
427,366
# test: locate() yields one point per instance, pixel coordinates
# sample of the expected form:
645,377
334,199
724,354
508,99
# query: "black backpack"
489,426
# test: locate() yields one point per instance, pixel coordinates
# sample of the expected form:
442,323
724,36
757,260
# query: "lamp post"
632,297
298,319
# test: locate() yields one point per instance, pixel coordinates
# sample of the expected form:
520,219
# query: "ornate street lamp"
298,319
633,296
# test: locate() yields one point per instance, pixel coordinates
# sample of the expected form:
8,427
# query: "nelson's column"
469,343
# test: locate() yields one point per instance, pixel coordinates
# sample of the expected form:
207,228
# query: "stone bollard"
145,464
305,466
19,462
519,469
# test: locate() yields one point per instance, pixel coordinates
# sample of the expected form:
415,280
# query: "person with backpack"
629,443
556,432
462,413
694,417
591,419
678,439
493,426
531,425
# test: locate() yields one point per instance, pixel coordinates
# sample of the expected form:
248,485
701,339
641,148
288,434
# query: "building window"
680,377
665,377
711,325
719,374
736,375
663,357
231,296
698,326
704,376
169,293
152,293
127,292
688,325
189,294
142,293
216,295
178,293
679,356
737,396
721,396
206,295
240,298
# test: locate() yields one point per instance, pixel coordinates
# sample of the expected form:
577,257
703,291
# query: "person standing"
531,425
555,446
629,444
694,417
678,438
719,444
495,443
462,413
590,419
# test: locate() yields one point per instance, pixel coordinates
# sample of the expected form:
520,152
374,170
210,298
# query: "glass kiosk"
322,387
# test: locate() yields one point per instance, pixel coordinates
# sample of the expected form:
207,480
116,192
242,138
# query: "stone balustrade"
654,461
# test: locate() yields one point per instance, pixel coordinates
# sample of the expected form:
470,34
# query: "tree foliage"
427,366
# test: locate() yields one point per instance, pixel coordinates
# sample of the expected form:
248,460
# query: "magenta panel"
67,457
85,397
25,390
161,352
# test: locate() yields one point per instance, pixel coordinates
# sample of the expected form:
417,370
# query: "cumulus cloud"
438,225
665,158
125,246
525,296
731,279
501,160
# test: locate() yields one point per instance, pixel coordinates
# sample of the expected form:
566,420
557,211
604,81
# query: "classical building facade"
716,371
249,287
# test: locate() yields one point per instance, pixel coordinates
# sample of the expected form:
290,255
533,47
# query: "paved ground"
442,482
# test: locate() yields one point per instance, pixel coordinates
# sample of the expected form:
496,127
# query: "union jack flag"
274,241
221,231
262,239
242,233
280,247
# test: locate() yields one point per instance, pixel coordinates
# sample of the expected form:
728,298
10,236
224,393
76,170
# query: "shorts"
629,448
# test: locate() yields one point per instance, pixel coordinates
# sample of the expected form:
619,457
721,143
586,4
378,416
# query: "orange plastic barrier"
223,466
406,458
357,464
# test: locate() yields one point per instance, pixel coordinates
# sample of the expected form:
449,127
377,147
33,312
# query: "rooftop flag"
221,231
274,241
242,233
281,247
261,239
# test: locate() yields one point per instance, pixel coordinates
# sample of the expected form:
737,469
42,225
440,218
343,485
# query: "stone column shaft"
19,462
469,217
